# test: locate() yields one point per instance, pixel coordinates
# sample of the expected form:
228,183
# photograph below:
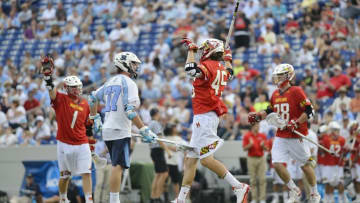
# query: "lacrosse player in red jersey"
210,78
72,114
292,105
334,166
355,158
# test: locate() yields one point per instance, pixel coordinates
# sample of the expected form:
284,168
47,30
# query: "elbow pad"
92,99
309,110
193,70
130,112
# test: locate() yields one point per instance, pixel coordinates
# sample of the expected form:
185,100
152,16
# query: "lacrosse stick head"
275,120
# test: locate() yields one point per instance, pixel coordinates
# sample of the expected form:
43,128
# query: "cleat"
315,198
241,193
294,195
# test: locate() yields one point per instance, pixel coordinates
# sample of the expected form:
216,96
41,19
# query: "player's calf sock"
232,180
342,197
63,197
184,191
285,195
114,197
313,189
276,195
291,184
88,198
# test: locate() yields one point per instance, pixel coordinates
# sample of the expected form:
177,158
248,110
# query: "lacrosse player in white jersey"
121,99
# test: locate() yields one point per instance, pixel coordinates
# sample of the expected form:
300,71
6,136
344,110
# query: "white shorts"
333,175
355,172
75,159
319,172
276,177
295,170
285,149
204,137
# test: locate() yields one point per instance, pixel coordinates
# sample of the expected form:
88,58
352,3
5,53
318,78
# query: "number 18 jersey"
117,92
207,90
290,105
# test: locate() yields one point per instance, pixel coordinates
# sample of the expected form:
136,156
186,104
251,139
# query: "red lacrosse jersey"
290,105
321,157
207,90
71,119
335,145
355,154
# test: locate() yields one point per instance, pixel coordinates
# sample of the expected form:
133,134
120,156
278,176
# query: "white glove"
97,122
147,135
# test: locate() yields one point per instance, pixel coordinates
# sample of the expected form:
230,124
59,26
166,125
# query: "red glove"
189,44
253,118
227,55
292,125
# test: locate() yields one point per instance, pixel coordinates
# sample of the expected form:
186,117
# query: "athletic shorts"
174,173
158,157
355,173
285,149
334,175
204,137
295,170
119,151
75,159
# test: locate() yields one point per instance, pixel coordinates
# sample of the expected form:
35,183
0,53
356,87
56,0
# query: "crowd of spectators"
320,38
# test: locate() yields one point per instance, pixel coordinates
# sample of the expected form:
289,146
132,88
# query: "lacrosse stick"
98,161
232,24
275,120
180,146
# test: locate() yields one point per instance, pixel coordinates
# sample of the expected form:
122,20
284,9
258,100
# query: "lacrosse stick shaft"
310,140
163,140
232,24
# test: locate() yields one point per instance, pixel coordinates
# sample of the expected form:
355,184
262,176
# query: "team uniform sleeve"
301,98
132,95
59,99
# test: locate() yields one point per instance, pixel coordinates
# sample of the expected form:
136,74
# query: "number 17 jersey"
117,92
207,90
290,105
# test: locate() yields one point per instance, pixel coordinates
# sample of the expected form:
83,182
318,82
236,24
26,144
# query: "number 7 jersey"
290,105
117,92
207,90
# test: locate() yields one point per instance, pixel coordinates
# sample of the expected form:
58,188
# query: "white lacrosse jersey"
117,92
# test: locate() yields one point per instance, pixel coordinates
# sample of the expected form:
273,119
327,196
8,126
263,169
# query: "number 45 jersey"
117,92
290,105
207,90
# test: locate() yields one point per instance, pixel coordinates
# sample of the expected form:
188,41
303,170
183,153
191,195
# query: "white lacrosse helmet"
211,46
73,85
282,74
333,125
323,129
127,62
